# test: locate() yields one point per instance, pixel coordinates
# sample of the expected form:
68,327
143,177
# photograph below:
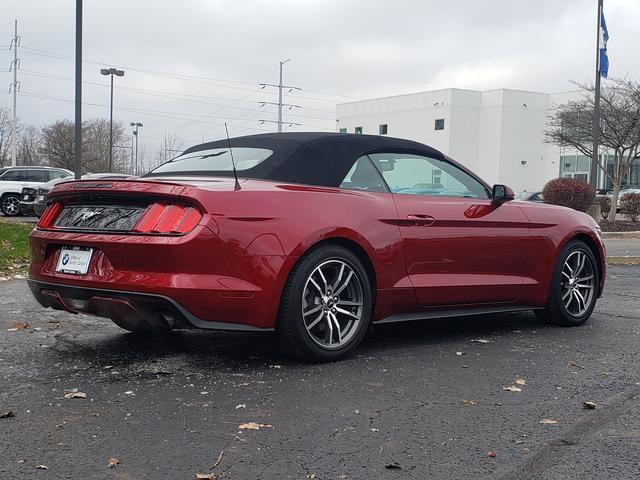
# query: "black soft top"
310,158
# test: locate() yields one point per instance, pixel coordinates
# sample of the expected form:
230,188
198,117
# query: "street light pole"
77,147
118,73
135,134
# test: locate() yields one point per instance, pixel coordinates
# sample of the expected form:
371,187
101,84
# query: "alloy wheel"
577,285
332,304
10,205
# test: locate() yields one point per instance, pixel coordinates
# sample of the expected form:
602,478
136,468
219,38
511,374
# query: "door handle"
420,220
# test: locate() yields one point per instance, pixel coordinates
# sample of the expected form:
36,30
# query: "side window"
16,176
364,176
417,175
53,174
36,176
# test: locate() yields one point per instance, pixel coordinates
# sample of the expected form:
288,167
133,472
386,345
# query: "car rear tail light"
49,215
161,218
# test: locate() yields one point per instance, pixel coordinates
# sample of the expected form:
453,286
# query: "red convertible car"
313,235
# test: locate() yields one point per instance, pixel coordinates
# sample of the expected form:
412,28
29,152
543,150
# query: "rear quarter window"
215,160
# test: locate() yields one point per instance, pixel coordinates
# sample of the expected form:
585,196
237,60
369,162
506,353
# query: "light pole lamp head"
112,71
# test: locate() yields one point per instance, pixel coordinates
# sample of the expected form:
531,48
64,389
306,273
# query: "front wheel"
9,205
574,287
326,305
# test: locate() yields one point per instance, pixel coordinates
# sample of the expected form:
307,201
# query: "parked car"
530,196
317,236
33,200
27,196
14,179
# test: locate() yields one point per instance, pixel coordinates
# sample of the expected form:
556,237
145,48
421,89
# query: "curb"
623,260
614,235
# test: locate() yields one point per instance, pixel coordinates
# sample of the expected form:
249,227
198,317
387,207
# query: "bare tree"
5,136
58,140
57,144
29,146
570,125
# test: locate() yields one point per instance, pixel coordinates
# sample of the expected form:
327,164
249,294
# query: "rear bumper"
26,208
131,308
197,275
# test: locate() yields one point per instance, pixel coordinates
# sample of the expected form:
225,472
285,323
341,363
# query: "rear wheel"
326,305
574,288
9,205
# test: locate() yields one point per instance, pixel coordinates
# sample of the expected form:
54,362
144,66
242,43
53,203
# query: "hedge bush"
569,192
605,206
630,206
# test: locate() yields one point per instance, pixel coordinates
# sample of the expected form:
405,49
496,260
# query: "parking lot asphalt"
418,400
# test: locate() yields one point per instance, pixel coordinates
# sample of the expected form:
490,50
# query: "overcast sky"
340,50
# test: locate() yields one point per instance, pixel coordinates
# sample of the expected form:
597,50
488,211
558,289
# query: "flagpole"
593,173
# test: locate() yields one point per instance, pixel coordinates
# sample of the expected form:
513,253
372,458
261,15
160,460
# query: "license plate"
41,198
74,260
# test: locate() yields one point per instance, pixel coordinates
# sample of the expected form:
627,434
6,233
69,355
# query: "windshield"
215,160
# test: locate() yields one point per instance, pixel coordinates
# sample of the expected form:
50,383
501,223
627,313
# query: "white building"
496,133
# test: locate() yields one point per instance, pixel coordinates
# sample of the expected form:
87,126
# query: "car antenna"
233,163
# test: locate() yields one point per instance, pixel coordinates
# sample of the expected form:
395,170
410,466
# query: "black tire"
556,312
9,205
291,329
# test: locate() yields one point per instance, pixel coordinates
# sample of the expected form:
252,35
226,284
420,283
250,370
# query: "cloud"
356,49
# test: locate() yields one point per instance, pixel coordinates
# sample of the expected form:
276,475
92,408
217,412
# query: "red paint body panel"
233,266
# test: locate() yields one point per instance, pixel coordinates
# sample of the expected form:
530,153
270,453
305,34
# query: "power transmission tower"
280,86
15,85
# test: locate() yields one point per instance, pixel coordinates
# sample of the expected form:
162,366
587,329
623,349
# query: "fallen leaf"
547,421
480,340
459,354
521,381
242,405
589,405
113,462
76,395
206,476
574,364
492,454
525,450
8,414
393,466
374,429
217,462
19,326
42,467
512,388
253,426
275,366
468,402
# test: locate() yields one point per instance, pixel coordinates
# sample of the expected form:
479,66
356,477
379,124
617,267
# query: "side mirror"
501,194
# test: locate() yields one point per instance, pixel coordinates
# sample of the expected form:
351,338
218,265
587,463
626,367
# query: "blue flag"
603,65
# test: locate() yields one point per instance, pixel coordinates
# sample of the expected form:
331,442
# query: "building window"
439,125
436,177
358,130
343,130
383,129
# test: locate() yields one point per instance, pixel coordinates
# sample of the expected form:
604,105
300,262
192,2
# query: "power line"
162,93
190,78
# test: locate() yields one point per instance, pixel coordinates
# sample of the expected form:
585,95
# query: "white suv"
14,179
